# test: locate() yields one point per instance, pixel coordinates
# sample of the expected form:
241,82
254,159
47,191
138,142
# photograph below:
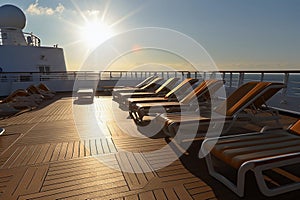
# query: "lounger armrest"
270,128
282,157
231,136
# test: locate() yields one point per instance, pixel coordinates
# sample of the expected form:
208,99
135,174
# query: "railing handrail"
185,71
35,40
232,78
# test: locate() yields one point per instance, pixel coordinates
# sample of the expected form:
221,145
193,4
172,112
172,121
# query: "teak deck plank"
24,181
159,194
52,161
147,195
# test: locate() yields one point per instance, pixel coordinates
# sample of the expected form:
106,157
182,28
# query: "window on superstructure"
44,69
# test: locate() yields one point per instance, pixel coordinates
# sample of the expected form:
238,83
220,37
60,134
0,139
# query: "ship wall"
31,58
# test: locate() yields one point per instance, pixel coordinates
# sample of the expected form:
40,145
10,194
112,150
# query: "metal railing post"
241,79
230,79
262,76
285,81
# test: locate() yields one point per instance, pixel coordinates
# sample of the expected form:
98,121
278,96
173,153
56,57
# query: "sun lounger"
27,102
250,95
141,84
176,94
45,91
268,151
159,92
151,86
19,92
201,93
45,88
22,99
85,94
32,89
153,83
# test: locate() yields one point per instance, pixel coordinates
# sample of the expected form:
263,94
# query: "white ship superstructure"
23,52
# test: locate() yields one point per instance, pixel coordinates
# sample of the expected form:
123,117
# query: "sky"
248,34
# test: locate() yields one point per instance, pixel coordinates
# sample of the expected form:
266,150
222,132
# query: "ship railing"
32,40
111,75
232,79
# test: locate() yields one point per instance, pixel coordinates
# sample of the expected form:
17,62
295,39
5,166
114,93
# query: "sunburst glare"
95,32
93,25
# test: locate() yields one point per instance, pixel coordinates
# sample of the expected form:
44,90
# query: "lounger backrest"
211,89
273,88
295,128
42,86
19,92
33,90
204,89
248,98
188,98
257,95
152,83
228,106
181,87
167,85
146,81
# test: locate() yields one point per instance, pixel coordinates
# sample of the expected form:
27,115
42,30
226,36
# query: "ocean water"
293,83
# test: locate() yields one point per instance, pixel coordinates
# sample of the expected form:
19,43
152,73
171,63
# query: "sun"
93,33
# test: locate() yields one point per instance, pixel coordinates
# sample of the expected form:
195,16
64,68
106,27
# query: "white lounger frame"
257,166
2,131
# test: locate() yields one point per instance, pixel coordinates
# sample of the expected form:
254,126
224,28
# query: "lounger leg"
134,116
258,171
139,115
236,188
131,114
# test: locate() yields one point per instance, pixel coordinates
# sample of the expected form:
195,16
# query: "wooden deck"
42,156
